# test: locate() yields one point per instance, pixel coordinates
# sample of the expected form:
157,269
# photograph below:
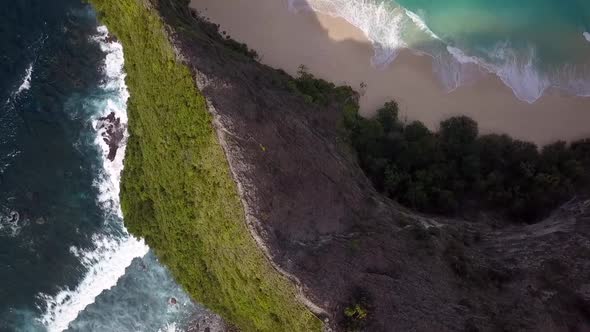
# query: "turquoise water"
532,45
545,37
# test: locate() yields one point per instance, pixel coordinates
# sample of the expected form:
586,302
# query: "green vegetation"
356,312
177,191
318,91
212,30
457,169
356,315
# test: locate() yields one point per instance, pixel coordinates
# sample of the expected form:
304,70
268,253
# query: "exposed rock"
112,132
13,217
209,322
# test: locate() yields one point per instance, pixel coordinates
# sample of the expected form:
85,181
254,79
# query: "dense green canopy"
455,167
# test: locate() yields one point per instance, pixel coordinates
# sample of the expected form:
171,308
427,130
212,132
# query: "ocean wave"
105,264
517,71
419,22
113,248
387,25
381,23
520,73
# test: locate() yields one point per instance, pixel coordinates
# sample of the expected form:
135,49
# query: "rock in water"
112,132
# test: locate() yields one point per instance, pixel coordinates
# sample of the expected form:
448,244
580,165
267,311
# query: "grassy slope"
177,191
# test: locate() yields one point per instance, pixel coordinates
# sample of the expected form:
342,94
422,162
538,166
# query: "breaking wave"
105,264
381,23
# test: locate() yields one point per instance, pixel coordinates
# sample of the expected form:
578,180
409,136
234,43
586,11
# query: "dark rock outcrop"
354,249
112,132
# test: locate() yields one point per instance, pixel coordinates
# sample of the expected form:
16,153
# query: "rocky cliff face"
367,263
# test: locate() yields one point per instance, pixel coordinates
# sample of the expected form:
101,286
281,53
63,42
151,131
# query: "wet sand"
334,50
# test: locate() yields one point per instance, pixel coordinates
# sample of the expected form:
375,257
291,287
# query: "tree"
459,130
416,131
437,172
388,116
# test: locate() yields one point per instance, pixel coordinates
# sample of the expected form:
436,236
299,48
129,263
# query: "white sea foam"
462,57
380,22
114,249
457,69
516,71
109,183
169,328
571,78
11,223
519,72
26,83
419,22
586,35
105,264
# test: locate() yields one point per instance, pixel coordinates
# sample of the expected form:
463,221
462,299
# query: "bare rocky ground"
209,322
323,223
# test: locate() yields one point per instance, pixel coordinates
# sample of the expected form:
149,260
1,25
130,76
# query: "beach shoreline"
332,49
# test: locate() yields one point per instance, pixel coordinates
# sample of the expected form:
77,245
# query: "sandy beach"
334,50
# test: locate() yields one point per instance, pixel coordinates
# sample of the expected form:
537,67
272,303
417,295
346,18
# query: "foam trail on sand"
462,57
114,248
518,74
586,35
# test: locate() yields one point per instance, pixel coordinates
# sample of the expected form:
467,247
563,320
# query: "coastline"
254,156
334,50
197,228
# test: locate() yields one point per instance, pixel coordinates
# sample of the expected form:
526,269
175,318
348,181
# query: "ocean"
531,45
66,260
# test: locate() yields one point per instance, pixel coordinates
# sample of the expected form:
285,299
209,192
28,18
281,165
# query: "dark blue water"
66,259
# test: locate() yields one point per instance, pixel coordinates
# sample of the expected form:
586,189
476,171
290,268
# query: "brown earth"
324,223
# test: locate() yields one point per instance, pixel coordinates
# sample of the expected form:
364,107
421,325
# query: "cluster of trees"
456,168
318,91
212,31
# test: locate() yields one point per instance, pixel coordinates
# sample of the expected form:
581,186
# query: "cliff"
361,261
176,189
323,222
